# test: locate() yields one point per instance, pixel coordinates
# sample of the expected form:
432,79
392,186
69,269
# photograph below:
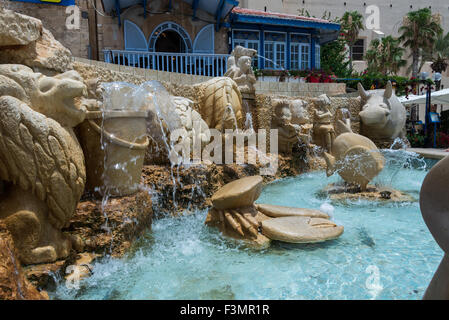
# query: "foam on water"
386,252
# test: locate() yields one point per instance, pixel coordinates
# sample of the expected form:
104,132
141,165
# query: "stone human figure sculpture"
41,161
323,129
191,121
240,69
433,201
288,133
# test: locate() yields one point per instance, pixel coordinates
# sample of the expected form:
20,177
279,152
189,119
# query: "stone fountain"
78,166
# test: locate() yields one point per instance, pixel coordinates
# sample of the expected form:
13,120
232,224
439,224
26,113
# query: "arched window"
167,33
204,41
134,38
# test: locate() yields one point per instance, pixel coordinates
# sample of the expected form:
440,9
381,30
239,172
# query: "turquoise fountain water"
386,252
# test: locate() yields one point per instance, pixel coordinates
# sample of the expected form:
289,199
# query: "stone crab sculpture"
383,116
356,158
41,161
433,201
235,214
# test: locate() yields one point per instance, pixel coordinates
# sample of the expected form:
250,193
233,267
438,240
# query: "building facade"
381,17
187,36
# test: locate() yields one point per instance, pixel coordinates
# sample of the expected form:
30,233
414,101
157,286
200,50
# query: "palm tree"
351,25
419,32
385,56
439,55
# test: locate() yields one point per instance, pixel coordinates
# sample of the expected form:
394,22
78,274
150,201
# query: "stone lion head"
57,97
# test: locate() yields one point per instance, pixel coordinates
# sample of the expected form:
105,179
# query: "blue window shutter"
134,37
204,41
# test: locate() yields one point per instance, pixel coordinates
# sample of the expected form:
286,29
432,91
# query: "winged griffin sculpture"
42,172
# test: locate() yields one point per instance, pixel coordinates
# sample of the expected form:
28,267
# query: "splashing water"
278,66
327,208
249,117
386,252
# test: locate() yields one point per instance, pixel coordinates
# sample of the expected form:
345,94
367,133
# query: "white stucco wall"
390,18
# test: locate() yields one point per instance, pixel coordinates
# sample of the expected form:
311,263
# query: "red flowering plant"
313,76
317,76
327,77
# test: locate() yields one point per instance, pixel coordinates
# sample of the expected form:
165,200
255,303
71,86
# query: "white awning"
439,97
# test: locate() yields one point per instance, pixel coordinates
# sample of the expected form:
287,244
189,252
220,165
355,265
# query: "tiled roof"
268,14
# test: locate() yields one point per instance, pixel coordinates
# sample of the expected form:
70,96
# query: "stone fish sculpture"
433,201
356,158
235,214
41,161
383,116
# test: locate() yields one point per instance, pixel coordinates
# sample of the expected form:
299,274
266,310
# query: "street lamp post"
424,76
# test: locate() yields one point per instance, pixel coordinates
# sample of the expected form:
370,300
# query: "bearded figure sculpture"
42,171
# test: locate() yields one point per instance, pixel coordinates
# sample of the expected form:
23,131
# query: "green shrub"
416,140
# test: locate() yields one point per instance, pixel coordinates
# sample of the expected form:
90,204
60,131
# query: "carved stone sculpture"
191,121
236,215
240,69
288,132
298,108
221,105
323,130
18,29
94,89
356,158
114,139
41,162
44,54
434,205
383,116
